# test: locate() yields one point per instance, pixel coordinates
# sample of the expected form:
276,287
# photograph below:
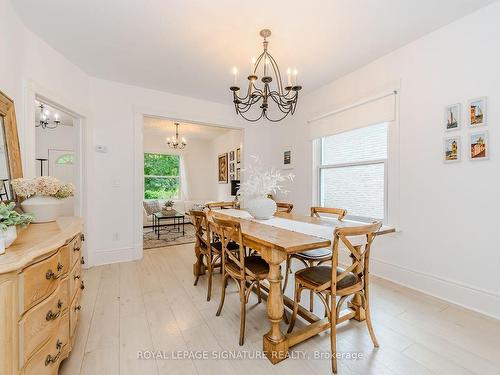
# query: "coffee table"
163,220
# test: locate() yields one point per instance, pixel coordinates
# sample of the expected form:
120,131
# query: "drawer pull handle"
76,248
53,359
54,315
76,277
50,275
82,285
79,307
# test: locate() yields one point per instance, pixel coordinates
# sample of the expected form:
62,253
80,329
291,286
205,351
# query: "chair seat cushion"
320,275
316,254
232,246
254,263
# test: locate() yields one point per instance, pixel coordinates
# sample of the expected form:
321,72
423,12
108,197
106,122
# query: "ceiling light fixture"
285,97
45,121
176,142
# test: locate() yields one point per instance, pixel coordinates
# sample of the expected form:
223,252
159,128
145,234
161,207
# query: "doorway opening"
178,179
57,150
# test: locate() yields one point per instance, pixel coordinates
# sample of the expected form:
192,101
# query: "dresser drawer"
39,280
75,280
42,321
74,313
75,249
46,361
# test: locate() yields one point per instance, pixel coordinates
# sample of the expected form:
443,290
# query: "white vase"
44,209
261,208
8,236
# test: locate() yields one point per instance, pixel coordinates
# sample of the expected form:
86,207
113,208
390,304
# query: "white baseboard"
101,257
480,300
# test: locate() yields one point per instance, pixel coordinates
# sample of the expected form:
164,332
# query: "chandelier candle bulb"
295,73
235,76
289,77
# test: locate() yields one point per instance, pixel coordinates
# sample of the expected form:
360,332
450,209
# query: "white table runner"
317,230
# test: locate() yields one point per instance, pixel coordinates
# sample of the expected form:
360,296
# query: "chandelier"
284,98
175,142
45,121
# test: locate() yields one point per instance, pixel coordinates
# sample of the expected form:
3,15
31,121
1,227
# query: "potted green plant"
9,220
167,207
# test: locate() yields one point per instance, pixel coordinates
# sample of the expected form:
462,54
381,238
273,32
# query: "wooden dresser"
40,288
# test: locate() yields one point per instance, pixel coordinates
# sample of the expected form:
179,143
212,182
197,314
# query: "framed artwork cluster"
477,140
234,164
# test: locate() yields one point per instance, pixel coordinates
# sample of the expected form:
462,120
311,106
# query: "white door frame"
138,190
34,91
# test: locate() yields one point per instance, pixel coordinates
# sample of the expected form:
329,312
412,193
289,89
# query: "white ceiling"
189,47
157,127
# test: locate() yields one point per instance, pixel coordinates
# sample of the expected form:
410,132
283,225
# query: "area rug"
168,238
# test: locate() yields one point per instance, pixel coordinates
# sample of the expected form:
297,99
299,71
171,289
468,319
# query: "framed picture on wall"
476,112
238,155
479,147
287,158
238,174
452,149
231,168
231,155
223,168
452,118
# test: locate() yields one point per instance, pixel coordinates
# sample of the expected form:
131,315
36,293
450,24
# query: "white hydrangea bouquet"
42,196
259,183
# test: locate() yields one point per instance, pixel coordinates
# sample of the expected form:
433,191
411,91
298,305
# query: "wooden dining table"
274,245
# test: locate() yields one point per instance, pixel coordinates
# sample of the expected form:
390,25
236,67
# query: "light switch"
101,148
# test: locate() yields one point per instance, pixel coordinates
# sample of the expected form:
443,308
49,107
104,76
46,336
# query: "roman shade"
375,110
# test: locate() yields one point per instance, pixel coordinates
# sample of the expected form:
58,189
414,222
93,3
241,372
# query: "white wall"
118,112
112,115
225,143
60,138
448,212
448,217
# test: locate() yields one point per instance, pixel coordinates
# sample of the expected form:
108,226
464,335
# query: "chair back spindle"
340,212
230,230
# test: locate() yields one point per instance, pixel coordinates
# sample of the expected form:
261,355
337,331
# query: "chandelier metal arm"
285,98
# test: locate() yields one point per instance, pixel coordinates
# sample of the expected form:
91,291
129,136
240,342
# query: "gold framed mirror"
10,153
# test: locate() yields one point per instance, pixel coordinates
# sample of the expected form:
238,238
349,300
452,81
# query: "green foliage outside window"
161,176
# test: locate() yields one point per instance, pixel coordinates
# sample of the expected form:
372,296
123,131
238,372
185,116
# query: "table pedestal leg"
275,344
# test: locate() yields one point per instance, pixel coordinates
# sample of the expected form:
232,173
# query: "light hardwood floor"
152,304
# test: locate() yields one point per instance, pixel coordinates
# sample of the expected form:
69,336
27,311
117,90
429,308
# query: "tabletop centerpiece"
10,219
42,196
259,183
168,208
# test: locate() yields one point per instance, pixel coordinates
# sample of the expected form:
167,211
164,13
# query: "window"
161,176
65,159
353,172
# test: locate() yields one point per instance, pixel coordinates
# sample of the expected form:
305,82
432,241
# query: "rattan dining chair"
329,282
246,271
314,257
207,248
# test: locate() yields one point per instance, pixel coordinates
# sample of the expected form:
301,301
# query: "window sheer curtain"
184,178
